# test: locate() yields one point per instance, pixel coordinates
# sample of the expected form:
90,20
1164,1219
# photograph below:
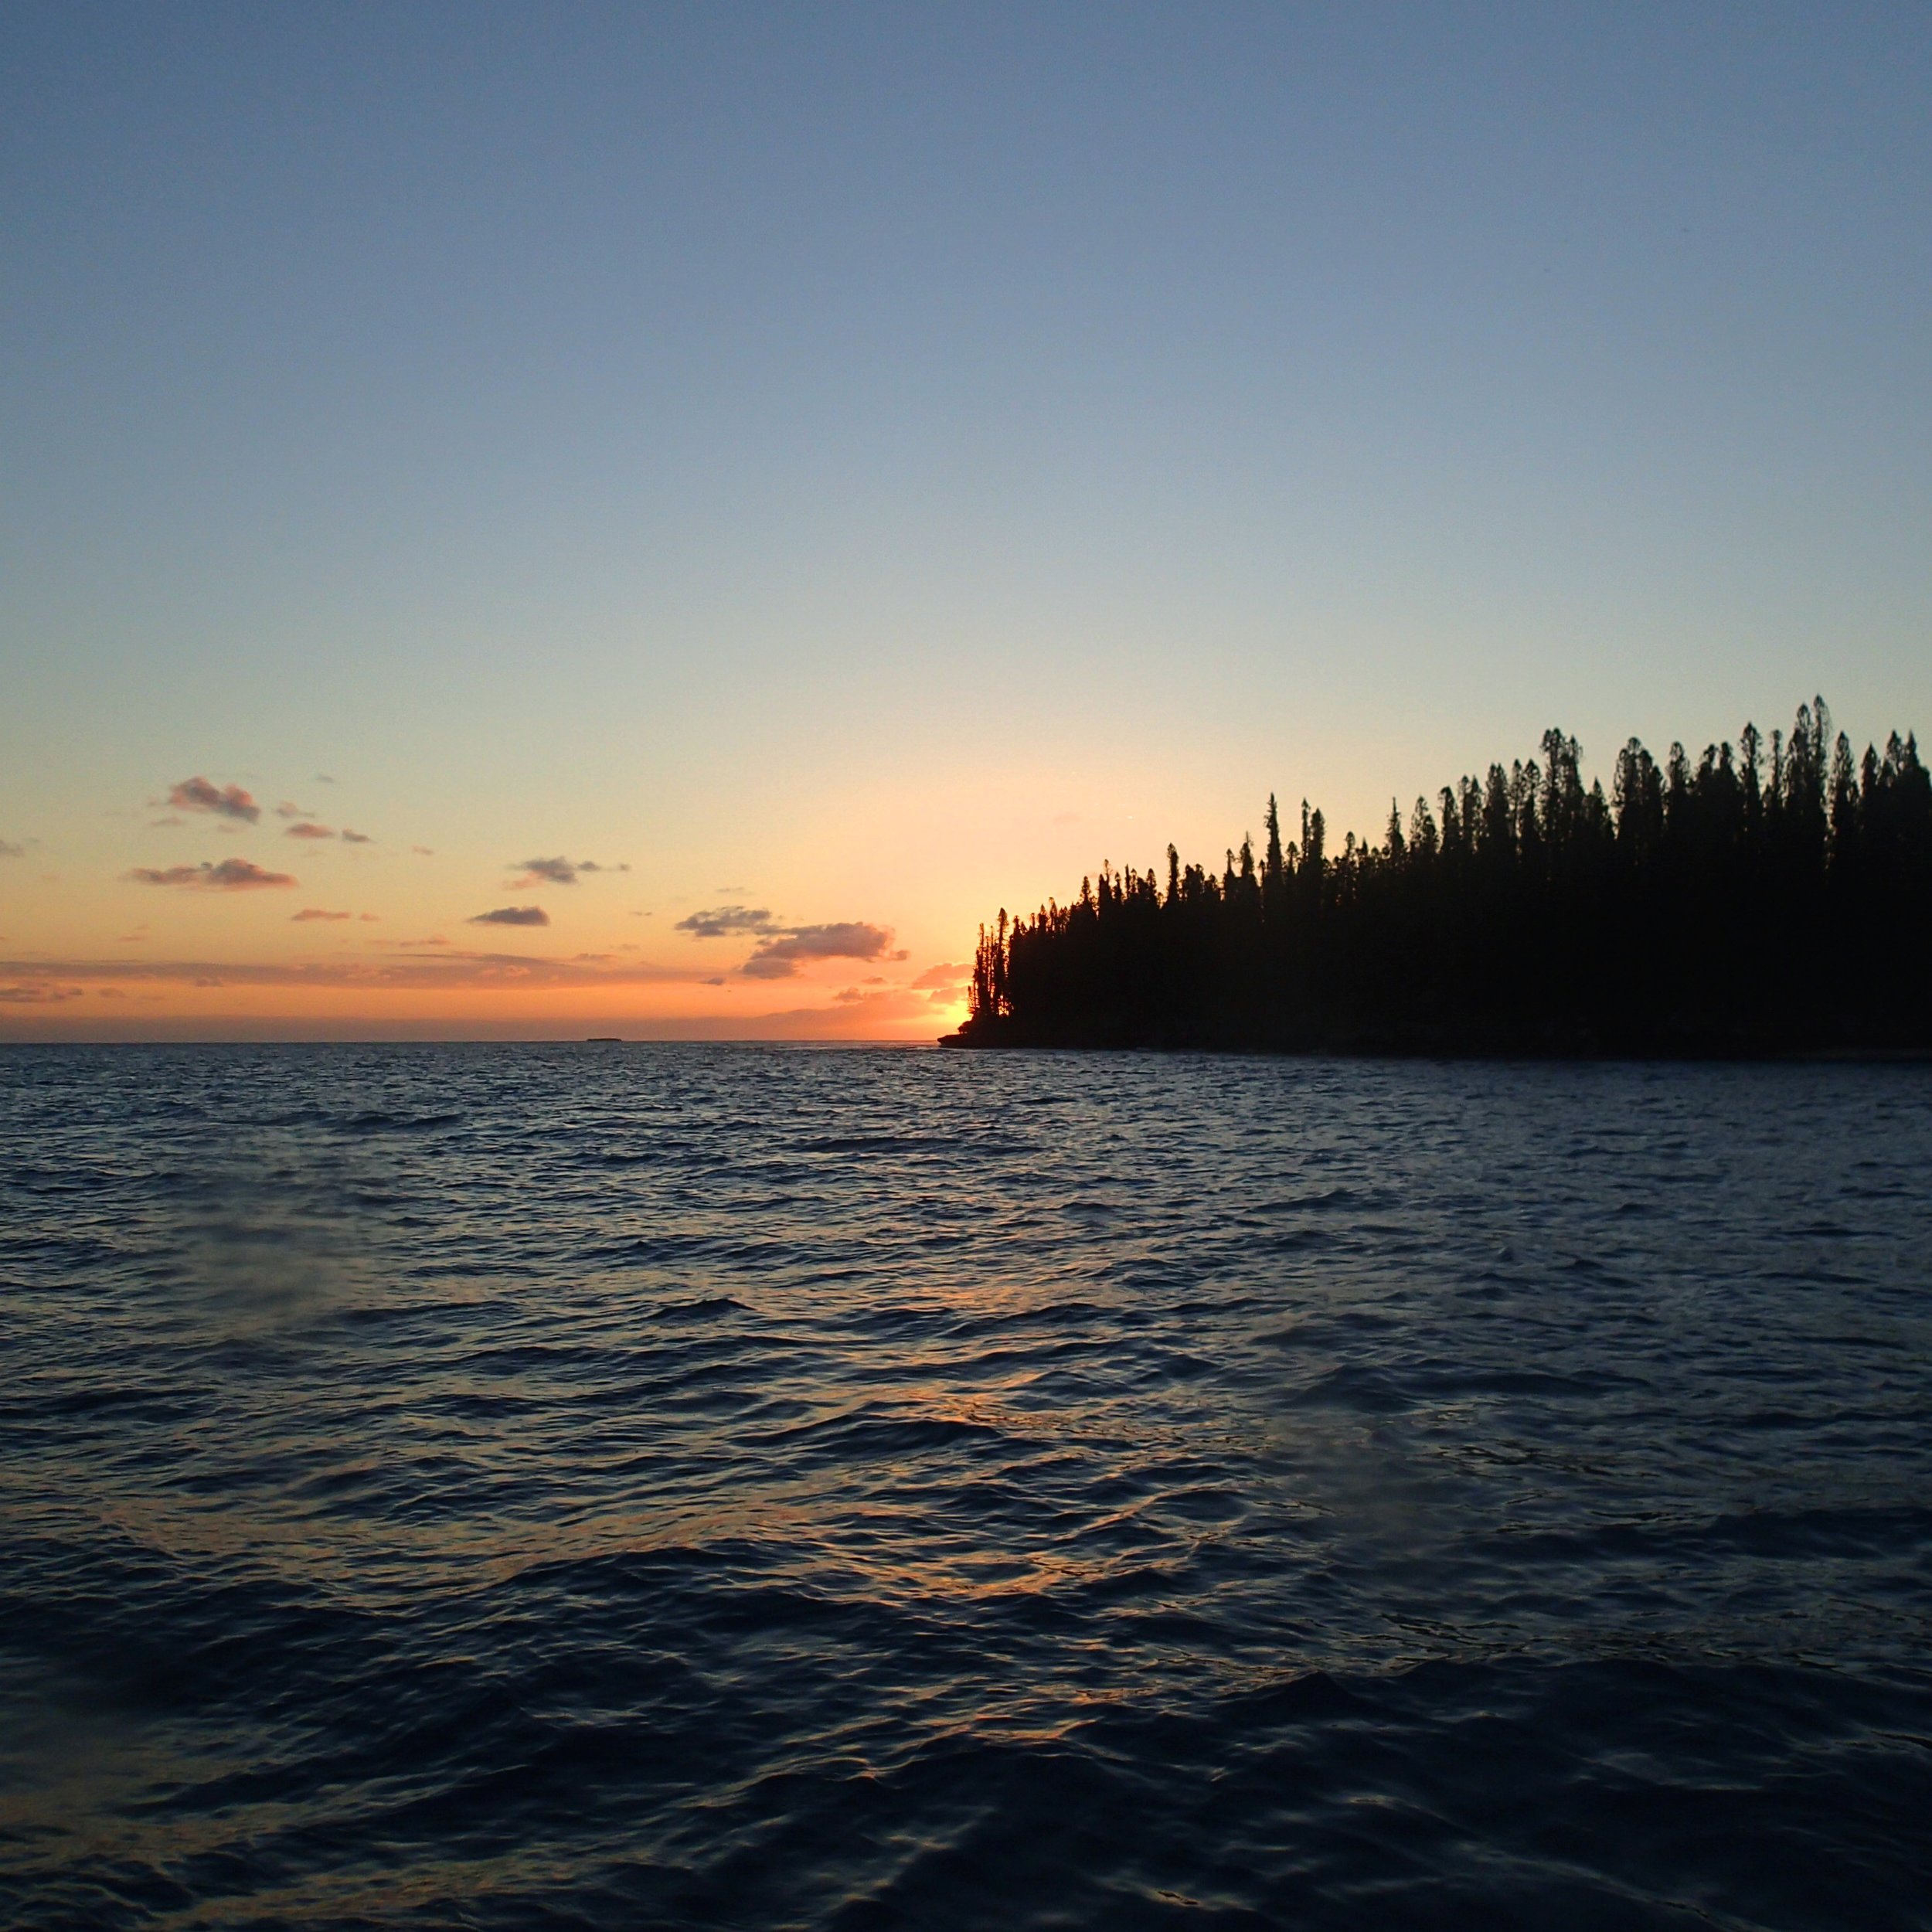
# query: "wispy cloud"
232,874
356,838
312,913
941,976
513,916
9,850
559,872
289,809
782,949
780,958
37,993
883,1013
226,802
724,922
309,830
444,968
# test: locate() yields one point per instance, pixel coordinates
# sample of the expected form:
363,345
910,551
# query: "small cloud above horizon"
225,802
722,922
781,949
309,830
312,913
941,976
558,871
38,995
9,850
231,874
356,838
513,915
780,957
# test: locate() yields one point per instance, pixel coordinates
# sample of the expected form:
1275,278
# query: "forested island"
1763,899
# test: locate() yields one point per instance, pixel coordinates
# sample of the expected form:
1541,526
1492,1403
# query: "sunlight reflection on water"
747,1487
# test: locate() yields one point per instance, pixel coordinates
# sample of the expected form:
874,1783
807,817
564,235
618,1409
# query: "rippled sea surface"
730,1487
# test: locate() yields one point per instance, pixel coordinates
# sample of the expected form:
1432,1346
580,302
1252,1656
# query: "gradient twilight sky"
868,465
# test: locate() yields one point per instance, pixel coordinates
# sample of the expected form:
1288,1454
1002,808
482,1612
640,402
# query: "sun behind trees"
1765,899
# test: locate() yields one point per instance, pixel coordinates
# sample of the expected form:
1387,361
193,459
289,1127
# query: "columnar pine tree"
1732,902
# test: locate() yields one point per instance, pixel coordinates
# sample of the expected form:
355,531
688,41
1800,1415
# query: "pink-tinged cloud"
311,912
289,809
439,971
426,852
947,976
226,802
232,875
356,838
874,1015
307,830
370,919
513,916
780,958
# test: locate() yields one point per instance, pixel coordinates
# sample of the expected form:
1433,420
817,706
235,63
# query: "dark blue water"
688,1486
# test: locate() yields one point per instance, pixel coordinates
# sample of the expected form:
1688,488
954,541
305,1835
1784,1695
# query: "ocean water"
774,1488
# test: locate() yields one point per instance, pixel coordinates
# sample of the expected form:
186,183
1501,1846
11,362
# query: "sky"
718,501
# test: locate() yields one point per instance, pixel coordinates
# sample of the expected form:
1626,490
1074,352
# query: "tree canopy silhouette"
1763,898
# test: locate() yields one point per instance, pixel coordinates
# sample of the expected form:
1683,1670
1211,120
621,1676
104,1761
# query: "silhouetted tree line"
1765,898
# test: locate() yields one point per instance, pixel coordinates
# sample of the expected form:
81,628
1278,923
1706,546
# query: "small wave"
707,1307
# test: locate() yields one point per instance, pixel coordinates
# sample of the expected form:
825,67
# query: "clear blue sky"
884,460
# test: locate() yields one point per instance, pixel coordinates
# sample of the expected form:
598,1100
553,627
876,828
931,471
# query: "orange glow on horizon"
92,1000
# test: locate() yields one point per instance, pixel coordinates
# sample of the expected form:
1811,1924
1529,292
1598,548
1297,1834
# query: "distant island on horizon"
1767,899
